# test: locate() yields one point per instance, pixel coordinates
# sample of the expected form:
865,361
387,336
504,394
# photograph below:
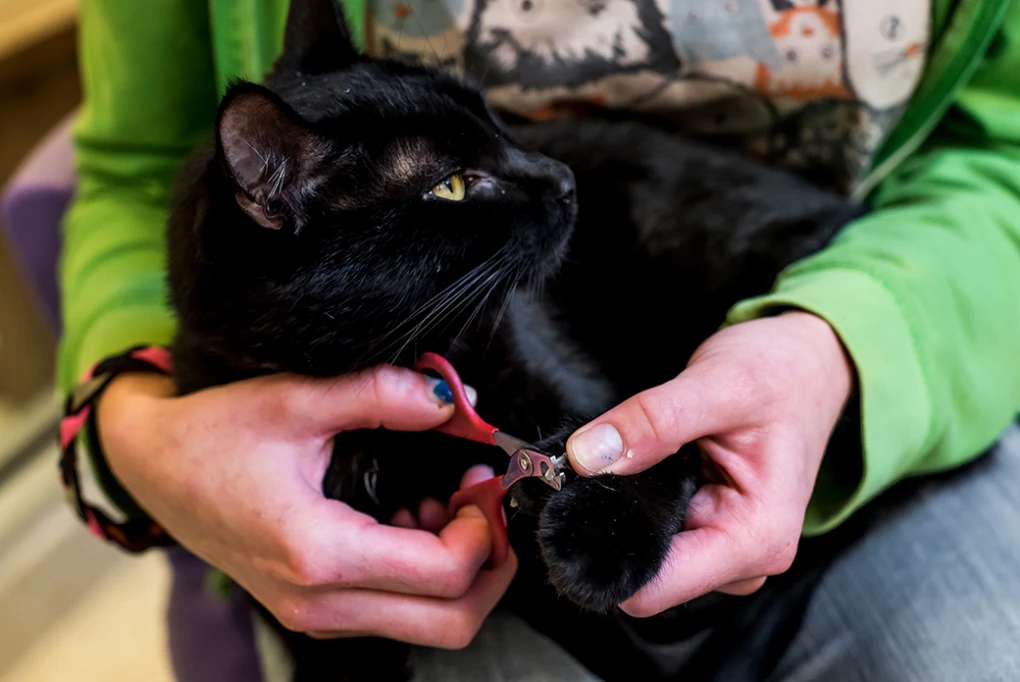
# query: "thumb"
652,425
384,396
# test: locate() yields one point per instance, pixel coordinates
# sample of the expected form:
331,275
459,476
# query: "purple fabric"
31,218
211,637
31,209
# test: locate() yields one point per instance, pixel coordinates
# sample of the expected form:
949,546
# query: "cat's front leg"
605,537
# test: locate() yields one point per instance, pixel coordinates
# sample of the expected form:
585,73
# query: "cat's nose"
564,182
558,178
551,175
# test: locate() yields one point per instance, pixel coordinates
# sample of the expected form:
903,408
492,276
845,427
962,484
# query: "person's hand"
761,399
234,473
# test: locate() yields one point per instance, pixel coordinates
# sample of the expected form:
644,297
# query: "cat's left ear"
317,39
271,155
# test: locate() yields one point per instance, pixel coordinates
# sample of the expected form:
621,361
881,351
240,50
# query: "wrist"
94,491
829,357
122,412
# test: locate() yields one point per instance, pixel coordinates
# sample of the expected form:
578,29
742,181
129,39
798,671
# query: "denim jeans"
930,594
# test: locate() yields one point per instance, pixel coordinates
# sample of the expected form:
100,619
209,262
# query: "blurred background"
71,608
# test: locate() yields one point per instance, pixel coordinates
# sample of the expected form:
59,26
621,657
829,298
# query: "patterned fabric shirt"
810,85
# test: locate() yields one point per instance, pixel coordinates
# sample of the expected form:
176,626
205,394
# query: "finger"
337,634
404,519
446,624
699,561
652,425
476,474
349,549
432,515
742,588
384,396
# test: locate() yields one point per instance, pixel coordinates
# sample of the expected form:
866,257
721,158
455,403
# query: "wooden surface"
73,609
26,22
39,85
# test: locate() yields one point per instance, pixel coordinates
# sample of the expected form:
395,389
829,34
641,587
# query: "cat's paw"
605,537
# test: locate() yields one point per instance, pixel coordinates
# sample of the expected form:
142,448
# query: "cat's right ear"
317,39
270,153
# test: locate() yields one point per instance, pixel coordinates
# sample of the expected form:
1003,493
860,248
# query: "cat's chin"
542,248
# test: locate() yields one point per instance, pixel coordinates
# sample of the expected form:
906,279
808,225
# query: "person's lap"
931,593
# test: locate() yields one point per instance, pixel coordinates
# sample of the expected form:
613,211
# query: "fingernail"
441,390
470,510
596,448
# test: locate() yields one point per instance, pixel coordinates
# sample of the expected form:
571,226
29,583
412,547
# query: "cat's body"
302,242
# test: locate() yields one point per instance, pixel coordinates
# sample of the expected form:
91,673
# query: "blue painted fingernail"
442,391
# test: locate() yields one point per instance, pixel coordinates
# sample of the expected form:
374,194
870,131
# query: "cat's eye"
452,188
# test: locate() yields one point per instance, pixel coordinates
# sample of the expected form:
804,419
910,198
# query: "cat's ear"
270,153
317,39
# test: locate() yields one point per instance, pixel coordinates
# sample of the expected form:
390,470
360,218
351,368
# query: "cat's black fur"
303,239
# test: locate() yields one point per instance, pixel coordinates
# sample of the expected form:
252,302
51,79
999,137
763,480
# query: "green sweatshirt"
922,291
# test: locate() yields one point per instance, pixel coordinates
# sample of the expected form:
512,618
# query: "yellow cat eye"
452,188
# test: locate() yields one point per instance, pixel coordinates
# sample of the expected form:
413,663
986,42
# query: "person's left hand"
761,399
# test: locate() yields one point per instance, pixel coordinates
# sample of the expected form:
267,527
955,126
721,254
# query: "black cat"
354,211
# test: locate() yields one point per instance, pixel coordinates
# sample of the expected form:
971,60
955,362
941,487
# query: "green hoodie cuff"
895,409
116,327
123,321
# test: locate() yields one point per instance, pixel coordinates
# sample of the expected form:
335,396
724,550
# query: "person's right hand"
234,473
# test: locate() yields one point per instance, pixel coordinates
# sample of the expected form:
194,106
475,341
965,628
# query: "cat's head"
353,196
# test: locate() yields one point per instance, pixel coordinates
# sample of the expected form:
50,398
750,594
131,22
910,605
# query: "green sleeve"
925,294
150,97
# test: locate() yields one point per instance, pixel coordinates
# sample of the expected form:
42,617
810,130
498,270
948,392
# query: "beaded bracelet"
139,532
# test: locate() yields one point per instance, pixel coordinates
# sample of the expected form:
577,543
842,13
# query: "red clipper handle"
487,496
465,422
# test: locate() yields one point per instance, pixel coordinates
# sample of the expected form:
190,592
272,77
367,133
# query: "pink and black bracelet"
139,532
